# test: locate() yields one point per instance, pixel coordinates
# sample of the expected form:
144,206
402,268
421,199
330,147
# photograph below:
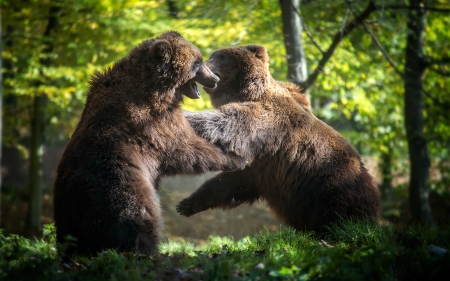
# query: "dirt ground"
239,222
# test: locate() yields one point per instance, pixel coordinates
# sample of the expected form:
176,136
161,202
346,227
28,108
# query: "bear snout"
206,77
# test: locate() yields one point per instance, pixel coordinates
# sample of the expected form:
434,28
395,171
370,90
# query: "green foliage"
362,233
49,233
354,251
360,91
172,247
25,258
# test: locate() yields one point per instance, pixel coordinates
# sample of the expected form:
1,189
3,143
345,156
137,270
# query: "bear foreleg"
229,129
227,190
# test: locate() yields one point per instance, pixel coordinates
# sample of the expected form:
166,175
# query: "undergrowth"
352,251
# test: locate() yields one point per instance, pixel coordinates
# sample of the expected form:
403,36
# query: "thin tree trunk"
293,42
1,115
173,9
33,221
414,120
386,183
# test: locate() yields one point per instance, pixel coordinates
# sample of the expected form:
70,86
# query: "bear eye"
197,63
223,57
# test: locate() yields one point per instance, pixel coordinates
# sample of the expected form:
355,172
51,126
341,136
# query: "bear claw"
185,208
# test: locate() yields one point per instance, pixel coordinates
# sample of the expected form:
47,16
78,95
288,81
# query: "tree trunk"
293,42
33,221
414,120
1,115
173,9
386,187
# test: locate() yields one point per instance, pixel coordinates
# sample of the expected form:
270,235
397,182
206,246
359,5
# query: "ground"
239,222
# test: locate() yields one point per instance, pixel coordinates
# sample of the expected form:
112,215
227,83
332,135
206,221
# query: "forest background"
377,71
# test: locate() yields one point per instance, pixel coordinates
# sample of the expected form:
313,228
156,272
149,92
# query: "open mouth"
192,91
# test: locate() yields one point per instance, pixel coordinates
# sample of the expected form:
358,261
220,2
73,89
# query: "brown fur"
130,134
310,175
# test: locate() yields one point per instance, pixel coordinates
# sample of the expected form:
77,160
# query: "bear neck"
155,102
244,91
256,85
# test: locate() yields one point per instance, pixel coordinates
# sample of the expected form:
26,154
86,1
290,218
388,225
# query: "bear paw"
186,208
238,163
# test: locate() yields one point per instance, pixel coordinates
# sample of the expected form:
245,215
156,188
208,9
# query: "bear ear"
171,33
259,51
162,50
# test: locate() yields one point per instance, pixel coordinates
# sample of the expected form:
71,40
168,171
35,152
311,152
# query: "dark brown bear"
131,133
309,174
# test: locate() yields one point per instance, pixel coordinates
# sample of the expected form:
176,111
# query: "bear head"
243,72
170,62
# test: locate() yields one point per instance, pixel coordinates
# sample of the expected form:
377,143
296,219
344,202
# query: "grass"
353,251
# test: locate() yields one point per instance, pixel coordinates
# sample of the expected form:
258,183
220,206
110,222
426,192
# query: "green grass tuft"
354,250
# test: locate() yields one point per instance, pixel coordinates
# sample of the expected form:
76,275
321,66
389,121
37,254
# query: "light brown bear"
131,133
310,175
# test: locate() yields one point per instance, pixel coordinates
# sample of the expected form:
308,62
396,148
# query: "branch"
344,22
436,101
440,72
305,28
432,61
398,7
337,38
383,51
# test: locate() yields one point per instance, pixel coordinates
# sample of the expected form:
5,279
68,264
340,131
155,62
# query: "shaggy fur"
130,134
307,172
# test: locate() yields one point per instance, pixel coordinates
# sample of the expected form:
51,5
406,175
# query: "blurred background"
377,71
